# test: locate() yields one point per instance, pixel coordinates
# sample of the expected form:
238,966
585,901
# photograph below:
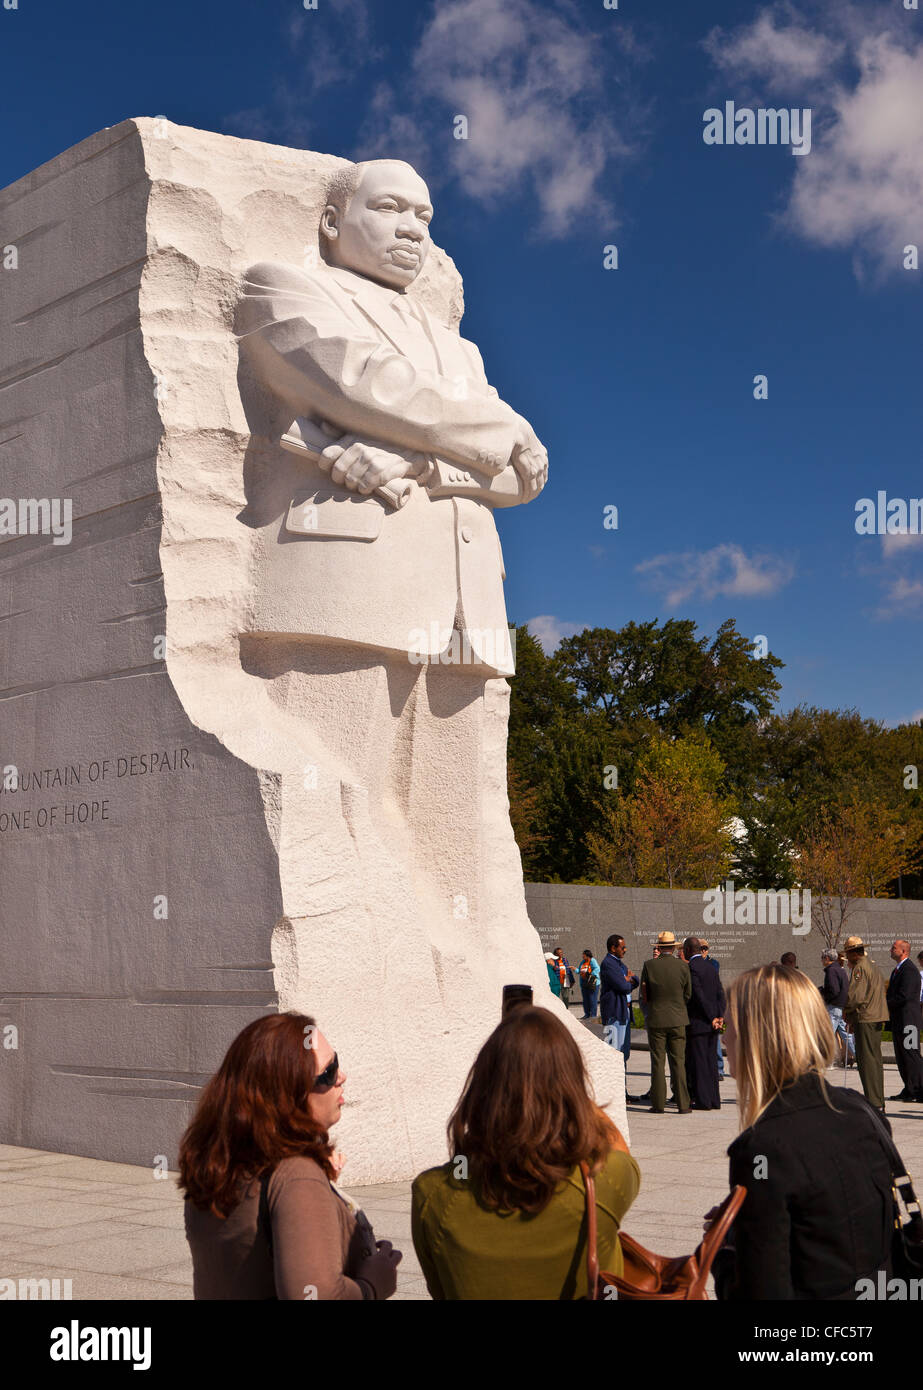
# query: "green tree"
809,762
674,831
649,676
557,752
605,695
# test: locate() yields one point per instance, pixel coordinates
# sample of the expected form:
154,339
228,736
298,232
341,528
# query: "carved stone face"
384,233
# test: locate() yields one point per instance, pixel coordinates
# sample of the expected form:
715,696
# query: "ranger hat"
666,938
854,943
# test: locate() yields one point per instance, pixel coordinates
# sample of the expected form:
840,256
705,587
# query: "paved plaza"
117,1232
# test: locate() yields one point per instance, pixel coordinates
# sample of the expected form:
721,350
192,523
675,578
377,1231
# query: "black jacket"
708,999
836,985
904,994
817,1215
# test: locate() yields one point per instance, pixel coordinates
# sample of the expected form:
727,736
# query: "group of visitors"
683,1004
505,1216
860,1004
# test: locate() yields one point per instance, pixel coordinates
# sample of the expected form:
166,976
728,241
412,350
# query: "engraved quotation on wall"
91,783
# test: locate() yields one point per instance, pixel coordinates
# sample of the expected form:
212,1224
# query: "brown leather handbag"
647,1275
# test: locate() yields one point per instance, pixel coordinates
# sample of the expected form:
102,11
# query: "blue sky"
585,130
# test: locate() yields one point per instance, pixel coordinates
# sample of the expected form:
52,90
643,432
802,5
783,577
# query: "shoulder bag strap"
714,1238
900,1178
592,1254
717,1232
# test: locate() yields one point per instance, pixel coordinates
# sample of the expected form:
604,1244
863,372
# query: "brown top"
314,1241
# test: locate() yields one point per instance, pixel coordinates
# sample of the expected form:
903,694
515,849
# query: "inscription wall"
576,916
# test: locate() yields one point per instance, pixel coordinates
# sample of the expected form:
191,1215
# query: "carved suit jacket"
350,356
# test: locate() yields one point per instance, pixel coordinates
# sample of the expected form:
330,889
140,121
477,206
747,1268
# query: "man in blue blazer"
617,983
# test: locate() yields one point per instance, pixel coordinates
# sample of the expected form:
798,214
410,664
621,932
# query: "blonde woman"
817,1215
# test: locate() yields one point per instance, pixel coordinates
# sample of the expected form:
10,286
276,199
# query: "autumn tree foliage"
587,807
675,830
850,852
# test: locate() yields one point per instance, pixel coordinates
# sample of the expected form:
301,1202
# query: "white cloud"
549,631
328,43
725,571
551,119
896,574
393,133
530,81
899,544
863,185
333,47
776,47
861,72
903,598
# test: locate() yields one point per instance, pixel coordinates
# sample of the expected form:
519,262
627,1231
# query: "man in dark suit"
666,988
905,1015
719,1052
706,1015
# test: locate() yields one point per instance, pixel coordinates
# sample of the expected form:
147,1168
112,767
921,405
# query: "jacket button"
466,533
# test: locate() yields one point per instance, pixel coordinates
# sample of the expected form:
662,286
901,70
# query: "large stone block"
197,835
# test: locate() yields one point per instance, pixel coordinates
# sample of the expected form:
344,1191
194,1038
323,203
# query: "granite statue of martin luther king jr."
405,448
377,547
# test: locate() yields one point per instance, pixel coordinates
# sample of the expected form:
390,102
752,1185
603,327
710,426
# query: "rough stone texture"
118,389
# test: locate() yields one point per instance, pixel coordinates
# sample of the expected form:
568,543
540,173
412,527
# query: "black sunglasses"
328,1076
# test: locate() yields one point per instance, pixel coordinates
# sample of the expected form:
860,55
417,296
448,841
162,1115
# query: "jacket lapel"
371,301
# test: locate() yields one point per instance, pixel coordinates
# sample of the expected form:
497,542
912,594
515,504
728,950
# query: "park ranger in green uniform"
866,1010
666,988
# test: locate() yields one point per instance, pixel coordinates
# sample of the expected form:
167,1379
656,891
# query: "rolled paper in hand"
395,493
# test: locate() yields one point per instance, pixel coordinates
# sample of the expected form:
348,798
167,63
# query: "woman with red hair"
263,1216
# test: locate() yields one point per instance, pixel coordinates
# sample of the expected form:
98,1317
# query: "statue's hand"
363,466
530,459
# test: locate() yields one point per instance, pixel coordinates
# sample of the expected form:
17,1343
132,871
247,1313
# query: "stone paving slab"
117,1231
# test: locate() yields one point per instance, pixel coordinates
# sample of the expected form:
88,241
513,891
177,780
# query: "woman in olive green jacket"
505,1218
